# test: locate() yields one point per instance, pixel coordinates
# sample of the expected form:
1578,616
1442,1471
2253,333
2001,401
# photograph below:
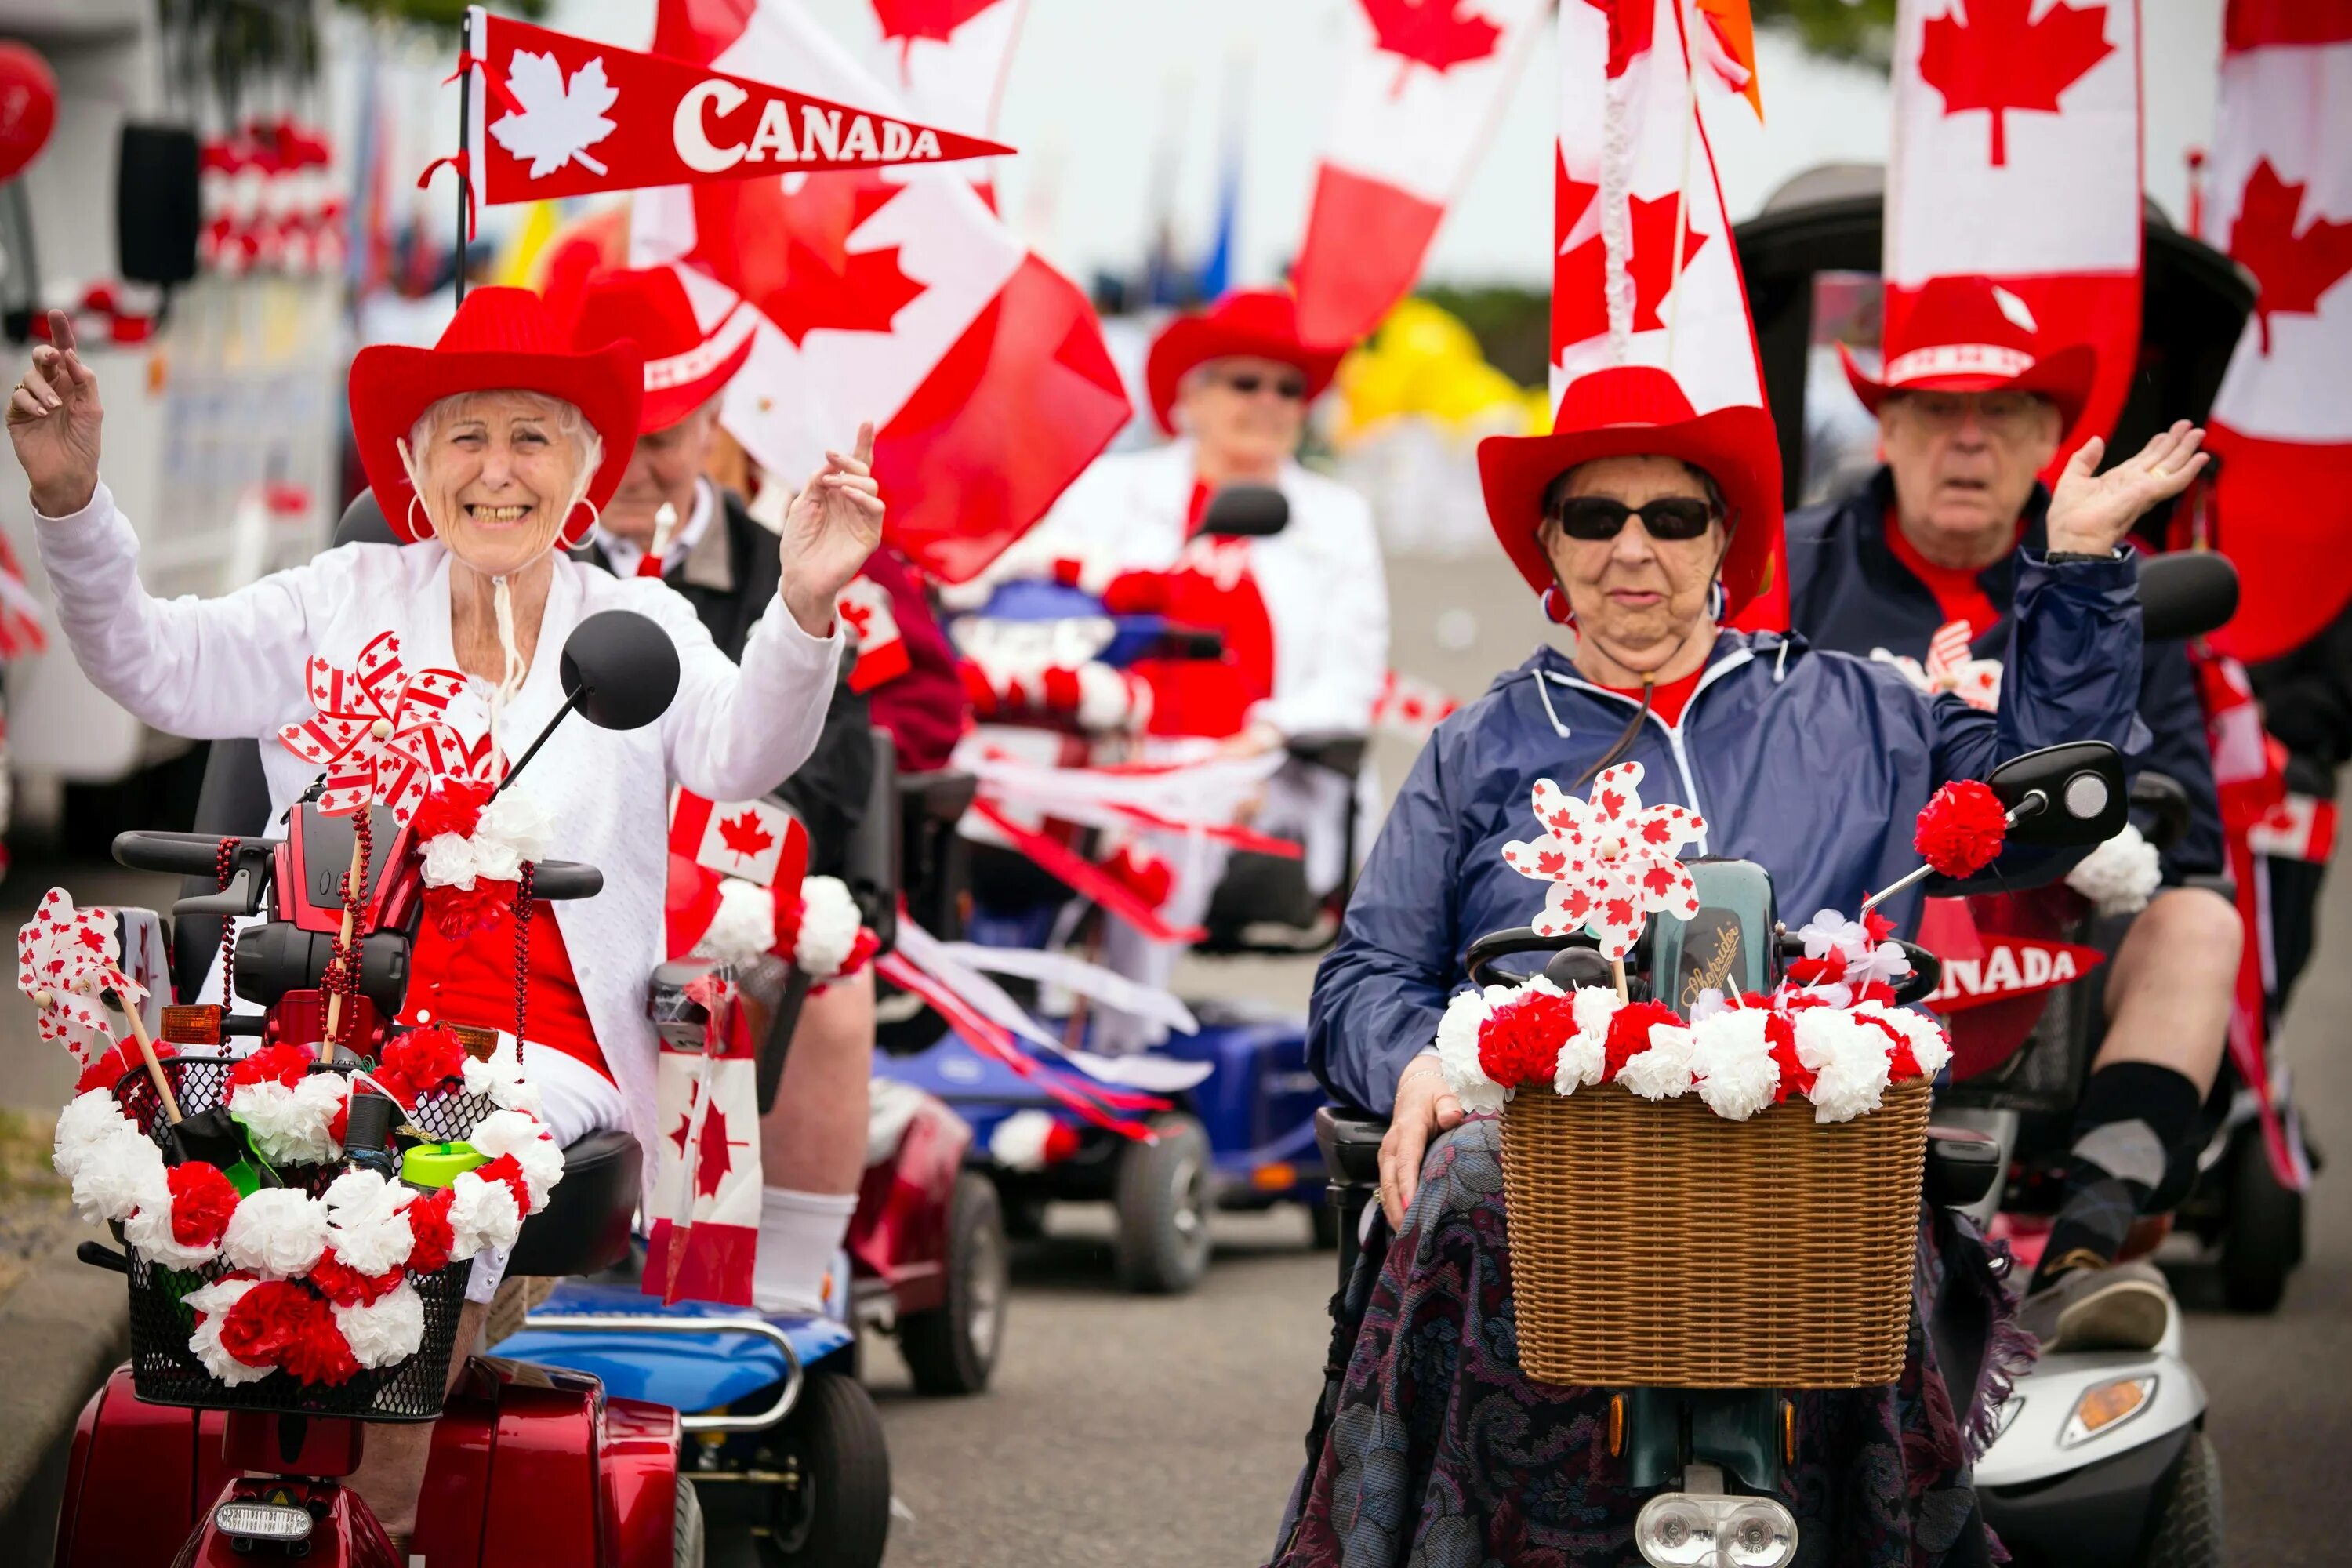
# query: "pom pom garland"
1960,829
827,932
2121,875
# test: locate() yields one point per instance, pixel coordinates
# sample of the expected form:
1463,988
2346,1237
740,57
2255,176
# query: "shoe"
2091,1304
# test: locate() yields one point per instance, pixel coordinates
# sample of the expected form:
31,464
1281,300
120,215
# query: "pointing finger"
61,330
865,447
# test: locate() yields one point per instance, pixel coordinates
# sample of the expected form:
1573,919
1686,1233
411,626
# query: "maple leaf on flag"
743,836
811,279
2294,269
1632,24
1580,274
556,124
711,1160
1997,58
934,21
1433,33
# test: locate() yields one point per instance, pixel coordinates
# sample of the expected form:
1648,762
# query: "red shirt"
1211,586
1666,702
1958,593
472,981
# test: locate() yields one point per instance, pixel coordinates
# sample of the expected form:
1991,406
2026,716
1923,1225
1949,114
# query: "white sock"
799,1234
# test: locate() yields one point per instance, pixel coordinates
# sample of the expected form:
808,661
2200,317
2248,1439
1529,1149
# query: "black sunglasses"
1598,518
1248,383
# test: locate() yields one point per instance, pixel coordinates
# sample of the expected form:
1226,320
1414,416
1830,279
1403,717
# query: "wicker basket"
1657,1245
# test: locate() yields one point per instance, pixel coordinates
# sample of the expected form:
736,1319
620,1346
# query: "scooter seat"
584,1229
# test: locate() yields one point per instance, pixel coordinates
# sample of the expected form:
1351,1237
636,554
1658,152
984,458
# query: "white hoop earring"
415,504
596,520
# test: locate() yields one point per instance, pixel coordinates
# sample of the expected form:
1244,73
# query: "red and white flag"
2017,156
894,295
2279,199
948,58
871,622
1423,84
703,1243
756,840
560,116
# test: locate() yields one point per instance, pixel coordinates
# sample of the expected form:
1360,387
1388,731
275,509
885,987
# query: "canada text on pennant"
561,116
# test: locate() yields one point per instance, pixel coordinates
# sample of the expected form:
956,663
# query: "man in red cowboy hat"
1304,611
1972,407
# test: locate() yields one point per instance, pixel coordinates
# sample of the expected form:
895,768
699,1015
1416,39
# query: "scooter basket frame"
164,1371
1658,1245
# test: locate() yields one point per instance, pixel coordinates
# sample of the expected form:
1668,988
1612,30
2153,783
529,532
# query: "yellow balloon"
1429,334
1461,391
1375,387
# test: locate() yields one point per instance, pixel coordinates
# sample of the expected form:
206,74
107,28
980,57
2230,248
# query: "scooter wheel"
2188,1529
686,1537
1163,1196
951,1349
838,1515
2262,1236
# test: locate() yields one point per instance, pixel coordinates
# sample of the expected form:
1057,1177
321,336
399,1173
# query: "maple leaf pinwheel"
1437,33
2294,267
1950,668
1997,56
365,731
1612,861
64,957
557,123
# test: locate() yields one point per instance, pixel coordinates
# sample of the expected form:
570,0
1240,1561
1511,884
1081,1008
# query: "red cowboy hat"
499,339
1639,411
685,367
1970,334
1256,324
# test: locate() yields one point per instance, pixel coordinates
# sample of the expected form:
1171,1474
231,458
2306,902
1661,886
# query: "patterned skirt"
1436,1451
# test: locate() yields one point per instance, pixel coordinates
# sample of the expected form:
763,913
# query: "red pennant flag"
560,116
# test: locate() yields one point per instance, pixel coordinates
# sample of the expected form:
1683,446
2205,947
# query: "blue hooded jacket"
1812,764
1849,591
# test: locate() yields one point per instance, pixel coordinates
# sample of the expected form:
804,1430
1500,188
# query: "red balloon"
28,107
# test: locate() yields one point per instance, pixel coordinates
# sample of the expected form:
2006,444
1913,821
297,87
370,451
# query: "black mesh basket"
164,1371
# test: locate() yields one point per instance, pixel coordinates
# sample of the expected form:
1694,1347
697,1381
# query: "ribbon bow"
377,731
1950,668
64,957
1612,861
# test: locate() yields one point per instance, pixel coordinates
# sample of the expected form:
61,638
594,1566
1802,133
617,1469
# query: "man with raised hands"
1972,407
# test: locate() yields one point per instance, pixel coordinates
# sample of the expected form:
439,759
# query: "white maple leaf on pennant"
556,124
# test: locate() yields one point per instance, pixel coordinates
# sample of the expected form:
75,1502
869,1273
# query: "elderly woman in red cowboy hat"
1645,523
488,453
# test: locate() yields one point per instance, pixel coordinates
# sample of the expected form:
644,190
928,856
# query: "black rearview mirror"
2072,794
1247,511
619,670
2186,594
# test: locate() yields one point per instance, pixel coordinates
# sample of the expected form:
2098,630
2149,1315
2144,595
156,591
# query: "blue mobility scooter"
1241,1135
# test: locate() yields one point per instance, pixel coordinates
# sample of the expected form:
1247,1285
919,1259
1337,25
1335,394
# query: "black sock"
2133,1118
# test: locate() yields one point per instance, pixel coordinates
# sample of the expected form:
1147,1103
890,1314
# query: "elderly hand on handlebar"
1425,1107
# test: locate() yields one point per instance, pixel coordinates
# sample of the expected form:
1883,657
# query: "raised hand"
2090,511
832,526
54,419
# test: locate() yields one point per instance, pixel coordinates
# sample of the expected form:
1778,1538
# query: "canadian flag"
894,295
866,610
704,1237
950,58
756,840
2017,156
2300,828
2279,199
1424,83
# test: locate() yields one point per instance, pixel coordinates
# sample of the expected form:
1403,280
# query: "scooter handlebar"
565,879
180,854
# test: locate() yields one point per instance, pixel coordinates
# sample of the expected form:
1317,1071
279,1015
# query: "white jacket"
232,667
1325,597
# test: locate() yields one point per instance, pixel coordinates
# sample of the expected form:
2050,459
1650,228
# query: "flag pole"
465,137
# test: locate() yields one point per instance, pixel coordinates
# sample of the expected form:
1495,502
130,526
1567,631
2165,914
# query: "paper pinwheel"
375,728
65,956
1950,668
1612,861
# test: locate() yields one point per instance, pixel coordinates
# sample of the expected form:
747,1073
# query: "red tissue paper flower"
428,1222
1795,1078
202,1201
1520,1042
317,1352
417,1063
1628,1033
1960,829
347,1287
508,1169
462,912
454,806
283,1063
266,1320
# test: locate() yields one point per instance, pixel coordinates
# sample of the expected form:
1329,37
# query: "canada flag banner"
756,840
1424,83
704,1239
2279,200
2010,966
2005,108
561,116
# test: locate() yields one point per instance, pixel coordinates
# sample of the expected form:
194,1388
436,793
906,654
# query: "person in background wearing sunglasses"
1645,524
1304,612
1972,405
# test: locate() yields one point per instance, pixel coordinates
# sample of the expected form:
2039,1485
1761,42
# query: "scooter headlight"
1759,1533
262,1522
1711,1530
2106,1406
1675,1531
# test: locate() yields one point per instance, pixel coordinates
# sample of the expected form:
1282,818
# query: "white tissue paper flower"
511,829
279,1233
2121,875
386,1331
1584,1058
114,1175
1662,1072
365,1226
1849,1059
1930,1047
829,921
743,928
512,1133
1731,1061
481,1214
289,1126
500,1079
88,1120
212,1304
1457,1054
149,1230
